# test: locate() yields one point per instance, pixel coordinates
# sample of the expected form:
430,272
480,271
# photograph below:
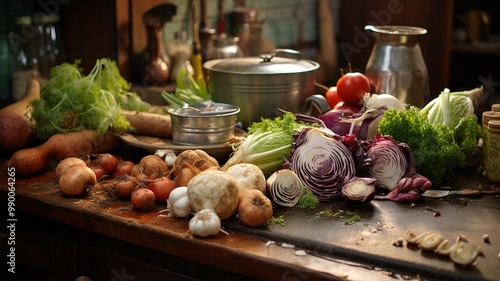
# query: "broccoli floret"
437,149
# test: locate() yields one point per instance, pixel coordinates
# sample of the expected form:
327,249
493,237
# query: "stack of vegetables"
385,144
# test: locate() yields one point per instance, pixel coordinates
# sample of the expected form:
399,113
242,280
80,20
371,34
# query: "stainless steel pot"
260,86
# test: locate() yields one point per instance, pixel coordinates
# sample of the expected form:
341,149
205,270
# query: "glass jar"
396,65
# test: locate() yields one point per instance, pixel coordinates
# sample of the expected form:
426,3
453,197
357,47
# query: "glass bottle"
179,51
51,52
396,65
23,45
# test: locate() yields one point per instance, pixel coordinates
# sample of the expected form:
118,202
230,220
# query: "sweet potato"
15,126
74,144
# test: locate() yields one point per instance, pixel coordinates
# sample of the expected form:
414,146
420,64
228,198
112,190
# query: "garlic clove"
430,241
412,238
445,247
465,253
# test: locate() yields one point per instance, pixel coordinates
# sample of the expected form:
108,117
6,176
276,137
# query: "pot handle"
275,52
315,105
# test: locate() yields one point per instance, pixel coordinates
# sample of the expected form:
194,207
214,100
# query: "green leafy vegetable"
450,107
188,90
308,201
268,141
437,149
71,101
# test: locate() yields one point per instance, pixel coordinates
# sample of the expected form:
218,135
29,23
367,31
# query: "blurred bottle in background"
22,41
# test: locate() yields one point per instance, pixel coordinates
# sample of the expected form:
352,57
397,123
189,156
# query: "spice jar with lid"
487,117
493,148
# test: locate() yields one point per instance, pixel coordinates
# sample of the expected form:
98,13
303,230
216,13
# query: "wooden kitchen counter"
103,238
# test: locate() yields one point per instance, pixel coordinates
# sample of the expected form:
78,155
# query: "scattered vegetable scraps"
71,101
276,220
350,217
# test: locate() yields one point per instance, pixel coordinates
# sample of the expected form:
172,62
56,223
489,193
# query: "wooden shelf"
473,49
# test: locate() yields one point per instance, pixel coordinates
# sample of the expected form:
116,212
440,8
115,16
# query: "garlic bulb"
178,203
205,223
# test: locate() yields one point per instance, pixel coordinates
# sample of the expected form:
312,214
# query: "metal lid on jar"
265,64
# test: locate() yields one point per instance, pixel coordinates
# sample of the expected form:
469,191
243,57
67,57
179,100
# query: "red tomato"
332,96
352,87
162,187
350,107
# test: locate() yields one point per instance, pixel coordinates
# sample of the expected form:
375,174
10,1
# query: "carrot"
60,146
149,124
15,126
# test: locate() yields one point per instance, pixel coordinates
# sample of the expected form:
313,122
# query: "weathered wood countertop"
335,250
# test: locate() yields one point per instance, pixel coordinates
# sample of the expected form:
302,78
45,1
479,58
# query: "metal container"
260,86
203,124
396,65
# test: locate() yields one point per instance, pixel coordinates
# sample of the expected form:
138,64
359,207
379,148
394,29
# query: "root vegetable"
77,180
143,199
254,208
214,189
98,171
190,163
149,124
108,162
205,223
15,126
153,166
248,176
162,187
124,188
67,163
123,168
75,144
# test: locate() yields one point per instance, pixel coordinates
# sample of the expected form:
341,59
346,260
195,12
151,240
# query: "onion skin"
77,180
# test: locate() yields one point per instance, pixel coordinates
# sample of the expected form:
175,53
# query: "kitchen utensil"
156,71
259,86
396,65
205,123
433,193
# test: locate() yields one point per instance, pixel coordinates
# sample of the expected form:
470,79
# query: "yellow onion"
67,163
77,180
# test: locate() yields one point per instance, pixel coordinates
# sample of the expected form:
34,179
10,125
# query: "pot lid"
265,64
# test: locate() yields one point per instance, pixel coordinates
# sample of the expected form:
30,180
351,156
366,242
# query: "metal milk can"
396,65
